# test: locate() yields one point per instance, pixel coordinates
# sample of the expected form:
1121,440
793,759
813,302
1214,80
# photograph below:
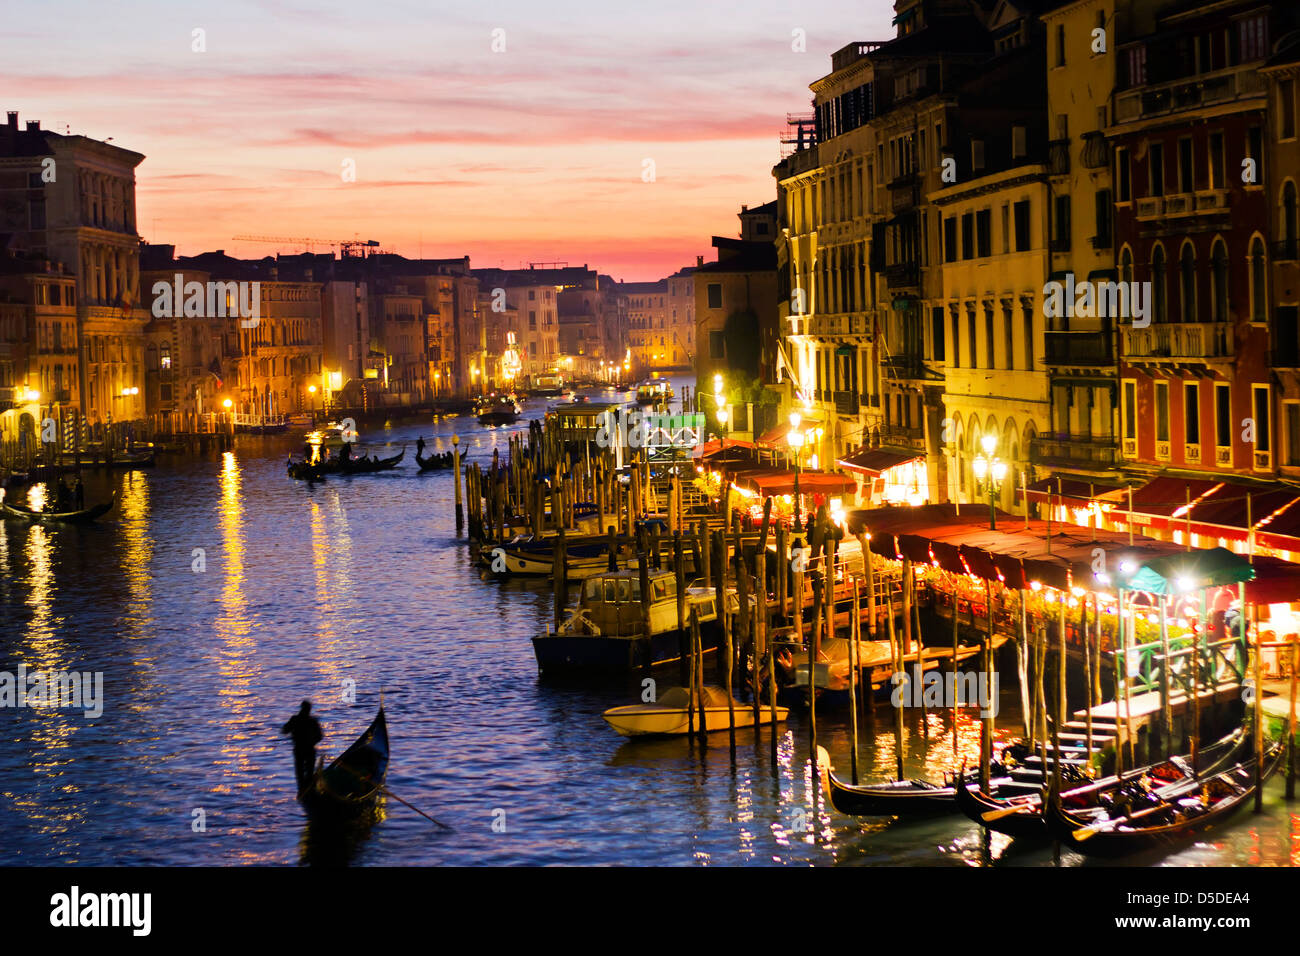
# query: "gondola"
311,472
353,782
81,516
435,462
1028,823
901,798
1165,820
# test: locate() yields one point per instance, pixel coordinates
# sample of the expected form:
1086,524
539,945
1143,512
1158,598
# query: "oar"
414,807
1005,812
1088,832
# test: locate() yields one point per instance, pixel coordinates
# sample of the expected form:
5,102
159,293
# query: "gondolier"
306,733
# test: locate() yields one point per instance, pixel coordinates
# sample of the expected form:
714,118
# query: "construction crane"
347,247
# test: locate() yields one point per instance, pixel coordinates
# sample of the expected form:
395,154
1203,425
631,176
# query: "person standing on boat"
419,447
306,733
79,493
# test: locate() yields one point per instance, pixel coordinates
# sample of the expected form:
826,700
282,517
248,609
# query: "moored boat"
902,798
354,780
1021,816
1152,821
671,714
606,634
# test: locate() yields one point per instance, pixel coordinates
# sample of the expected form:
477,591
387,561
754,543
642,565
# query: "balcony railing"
846,403
902,274
1096,154
1066,449
1059,243
1188,93
1079,348
904,365
903,436
1179,341
1150,207
1286,250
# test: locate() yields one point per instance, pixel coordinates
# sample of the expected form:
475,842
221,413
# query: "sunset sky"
532,154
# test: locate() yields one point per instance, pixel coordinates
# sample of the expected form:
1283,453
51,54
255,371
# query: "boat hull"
353,783
646,720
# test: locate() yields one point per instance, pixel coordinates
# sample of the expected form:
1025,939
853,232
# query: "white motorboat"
671,714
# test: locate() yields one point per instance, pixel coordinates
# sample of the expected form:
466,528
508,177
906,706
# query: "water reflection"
236,647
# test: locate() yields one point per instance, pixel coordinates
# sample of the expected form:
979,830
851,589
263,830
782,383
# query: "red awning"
718,446
1276,582
1164,496
775,438
948,556
769,483
914,547
1227,505
873,461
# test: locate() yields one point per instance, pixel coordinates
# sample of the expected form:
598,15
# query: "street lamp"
990,471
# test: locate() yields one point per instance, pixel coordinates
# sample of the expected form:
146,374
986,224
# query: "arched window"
1126,266
1258,285
1219,278
1187,284
1159,289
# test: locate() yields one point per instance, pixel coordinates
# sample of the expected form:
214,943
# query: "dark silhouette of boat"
80,516
353,782
307,471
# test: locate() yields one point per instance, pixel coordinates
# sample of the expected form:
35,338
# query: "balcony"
1096,154
907,366
1073,450
903,436
1058,157
852,52
1150,207
1188,93
1088,349
1286,250
1059,244
839,324
846,403
902,275
1180,343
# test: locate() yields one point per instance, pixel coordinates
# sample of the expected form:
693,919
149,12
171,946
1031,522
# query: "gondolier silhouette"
306,733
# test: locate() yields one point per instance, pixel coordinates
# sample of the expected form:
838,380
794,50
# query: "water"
363,580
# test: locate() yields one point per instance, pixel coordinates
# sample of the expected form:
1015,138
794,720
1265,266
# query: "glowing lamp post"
990,471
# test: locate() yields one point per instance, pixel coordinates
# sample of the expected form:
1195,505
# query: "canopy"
1191,571
769,483
873,461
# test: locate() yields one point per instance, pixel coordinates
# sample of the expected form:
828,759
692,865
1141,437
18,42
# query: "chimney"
33,126
13,119
699,262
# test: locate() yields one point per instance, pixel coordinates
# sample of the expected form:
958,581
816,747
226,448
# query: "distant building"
736,309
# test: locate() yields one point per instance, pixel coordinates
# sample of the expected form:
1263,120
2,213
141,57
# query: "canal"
219,593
